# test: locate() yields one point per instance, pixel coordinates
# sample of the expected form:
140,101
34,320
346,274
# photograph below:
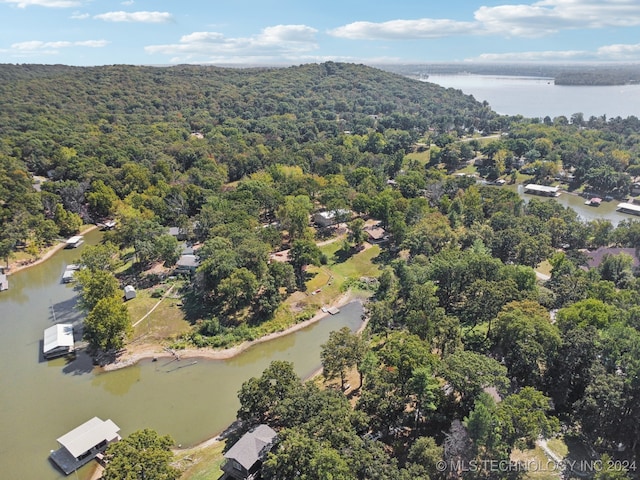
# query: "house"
177,232
84,443
376,235
187,263
331,217
58,341
129,292
244,459
596,257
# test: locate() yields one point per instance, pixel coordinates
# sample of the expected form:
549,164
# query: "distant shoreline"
15,267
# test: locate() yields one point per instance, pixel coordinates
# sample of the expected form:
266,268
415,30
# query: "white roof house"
58,340
83,443
331,217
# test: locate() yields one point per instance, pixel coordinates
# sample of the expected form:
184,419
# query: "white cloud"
44,3
618,52
273,44
549,16
50,48
403,29
535,19
139,17
127,2
80,16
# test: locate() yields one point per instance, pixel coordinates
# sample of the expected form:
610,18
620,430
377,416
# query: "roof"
629,206
330,214
74,239
540,188
252,446
129,288
595,258
83,438
59,335
188,261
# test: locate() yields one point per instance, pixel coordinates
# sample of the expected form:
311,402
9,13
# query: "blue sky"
291,32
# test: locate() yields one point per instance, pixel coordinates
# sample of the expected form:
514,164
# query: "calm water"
535,97
40,401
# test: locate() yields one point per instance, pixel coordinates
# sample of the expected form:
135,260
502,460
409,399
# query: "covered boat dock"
58,341
84,443
543,190
631,208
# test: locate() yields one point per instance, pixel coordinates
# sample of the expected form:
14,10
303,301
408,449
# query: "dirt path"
154,307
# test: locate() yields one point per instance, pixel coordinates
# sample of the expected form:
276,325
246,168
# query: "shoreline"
344,299
16,267
149,351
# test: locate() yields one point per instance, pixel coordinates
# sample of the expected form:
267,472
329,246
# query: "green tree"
261,397
95,285
103,256
239,288
294,215
357,235
107,325
143,455
301,254
342,351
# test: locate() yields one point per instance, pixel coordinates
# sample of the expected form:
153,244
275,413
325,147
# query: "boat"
593,202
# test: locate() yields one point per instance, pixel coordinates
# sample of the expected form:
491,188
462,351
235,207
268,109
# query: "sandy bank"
17,266
135,353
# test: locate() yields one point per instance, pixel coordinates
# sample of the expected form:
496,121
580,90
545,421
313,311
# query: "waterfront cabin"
244,459
75,241
84,443
543,190
58,341
630,208
4,282
129,292
187,263
331,217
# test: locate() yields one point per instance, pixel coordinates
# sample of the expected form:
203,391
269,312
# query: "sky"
293,32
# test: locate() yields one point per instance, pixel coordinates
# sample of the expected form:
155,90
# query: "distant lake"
536,97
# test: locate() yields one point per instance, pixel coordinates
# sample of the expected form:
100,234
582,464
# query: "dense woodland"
468,355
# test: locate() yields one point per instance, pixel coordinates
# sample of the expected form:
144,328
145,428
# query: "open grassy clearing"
201,463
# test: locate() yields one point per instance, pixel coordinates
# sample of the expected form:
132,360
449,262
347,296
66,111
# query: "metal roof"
91,433
59,335
252,446
541,188
629,206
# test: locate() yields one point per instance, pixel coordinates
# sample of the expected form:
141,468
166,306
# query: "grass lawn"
544,268
166,321
201,463
541,468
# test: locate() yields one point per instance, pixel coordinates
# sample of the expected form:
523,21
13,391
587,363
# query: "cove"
40,401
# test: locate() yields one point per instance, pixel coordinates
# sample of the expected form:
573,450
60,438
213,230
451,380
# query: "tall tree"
107,325
143,455
343,351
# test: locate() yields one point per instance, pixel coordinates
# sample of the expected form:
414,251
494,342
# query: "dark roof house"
244,459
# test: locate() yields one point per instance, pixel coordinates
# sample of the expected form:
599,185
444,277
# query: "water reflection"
118,383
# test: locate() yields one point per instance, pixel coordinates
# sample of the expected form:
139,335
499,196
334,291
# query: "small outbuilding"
84,443
129,292
244,459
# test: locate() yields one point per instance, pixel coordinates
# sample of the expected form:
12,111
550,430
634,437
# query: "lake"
43,400
536,97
